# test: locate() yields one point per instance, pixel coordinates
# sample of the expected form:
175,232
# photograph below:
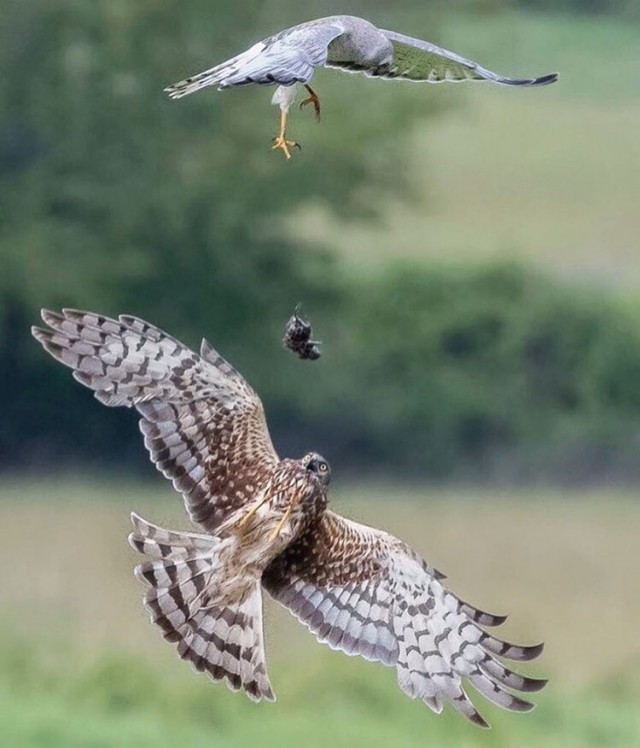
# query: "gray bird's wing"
420,61
286,58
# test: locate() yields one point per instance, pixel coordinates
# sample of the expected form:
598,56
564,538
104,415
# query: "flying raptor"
268,527
344,42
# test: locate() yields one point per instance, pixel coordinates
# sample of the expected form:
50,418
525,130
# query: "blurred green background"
467,254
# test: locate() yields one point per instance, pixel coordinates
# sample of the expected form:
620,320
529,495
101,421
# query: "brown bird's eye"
323,467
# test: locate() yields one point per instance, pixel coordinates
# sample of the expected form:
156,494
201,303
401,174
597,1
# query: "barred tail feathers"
223,639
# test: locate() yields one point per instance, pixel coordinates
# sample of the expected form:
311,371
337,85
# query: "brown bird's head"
316,464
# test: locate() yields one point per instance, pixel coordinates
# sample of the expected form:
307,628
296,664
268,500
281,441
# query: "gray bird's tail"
223,639
226,74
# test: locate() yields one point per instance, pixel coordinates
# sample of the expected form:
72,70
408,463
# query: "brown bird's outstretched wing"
203,425
366,593
421,61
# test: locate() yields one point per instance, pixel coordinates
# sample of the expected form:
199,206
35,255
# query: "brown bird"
358,589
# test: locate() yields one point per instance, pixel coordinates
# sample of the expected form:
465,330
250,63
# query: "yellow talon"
252,511
284,146
280,141
285,517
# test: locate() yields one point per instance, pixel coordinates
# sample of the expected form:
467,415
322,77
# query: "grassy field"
547,176
81,666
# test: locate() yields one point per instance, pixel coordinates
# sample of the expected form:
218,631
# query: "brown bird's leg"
285,517
313,99
252,511
280,141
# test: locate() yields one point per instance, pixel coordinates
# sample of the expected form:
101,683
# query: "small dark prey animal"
297,337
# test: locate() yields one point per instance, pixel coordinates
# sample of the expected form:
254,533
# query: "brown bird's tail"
223,639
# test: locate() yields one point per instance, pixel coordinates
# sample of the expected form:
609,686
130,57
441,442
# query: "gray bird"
344,42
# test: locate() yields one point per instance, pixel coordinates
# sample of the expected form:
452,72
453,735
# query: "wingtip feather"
532,685
544,80
134,541
533,651
479,720
51,317
38,333
138,573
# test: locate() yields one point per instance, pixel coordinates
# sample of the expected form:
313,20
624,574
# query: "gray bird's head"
316,464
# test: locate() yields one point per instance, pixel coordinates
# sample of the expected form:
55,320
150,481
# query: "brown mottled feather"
365,592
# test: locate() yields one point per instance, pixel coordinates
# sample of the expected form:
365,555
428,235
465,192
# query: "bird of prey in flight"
267,527
348,43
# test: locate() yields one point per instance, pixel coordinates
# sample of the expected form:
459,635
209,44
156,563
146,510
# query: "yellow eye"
323,467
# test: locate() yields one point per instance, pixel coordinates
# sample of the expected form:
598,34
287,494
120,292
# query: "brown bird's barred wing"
365,592
203,424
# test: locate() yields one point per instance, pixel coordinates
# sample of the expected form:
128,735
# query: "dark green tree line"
116,199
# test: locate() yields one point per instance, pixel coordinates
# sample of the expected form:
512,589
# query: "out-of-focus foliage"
493,369
118,200
125,699
608,7
113,191
98,674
